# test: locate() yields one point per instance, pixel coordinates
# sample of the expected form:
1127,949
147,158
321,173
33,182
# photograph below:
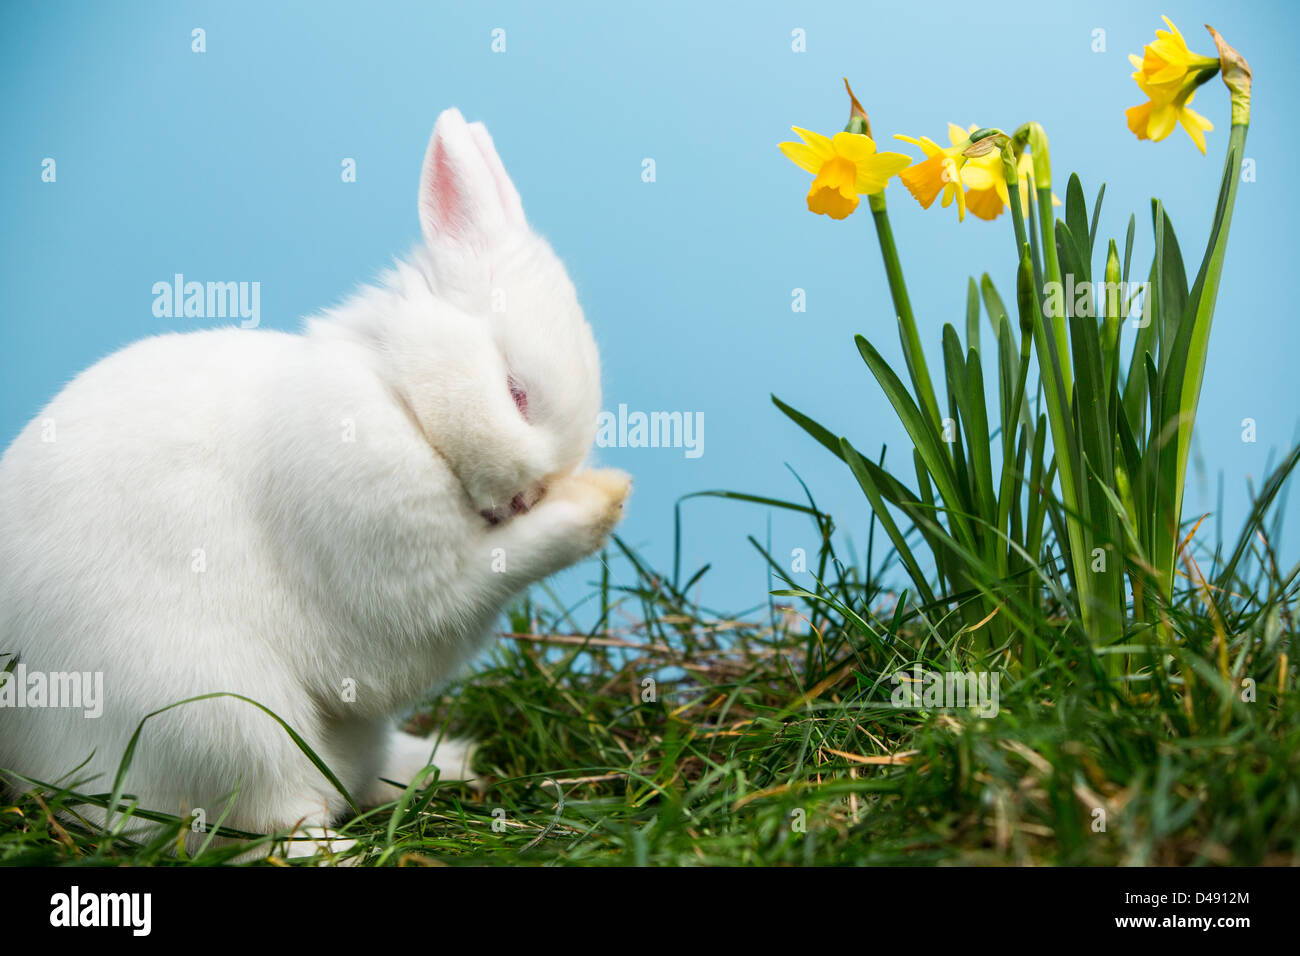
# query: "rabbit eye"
520,396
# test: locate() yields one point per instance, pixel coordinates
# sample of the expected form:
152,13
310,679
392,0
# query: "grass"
671,735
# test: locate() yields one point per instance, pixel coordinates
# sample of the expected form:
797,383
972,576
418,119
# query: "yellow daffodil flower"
1166,63
986,185
940,171
1169,73
846,166
1155,118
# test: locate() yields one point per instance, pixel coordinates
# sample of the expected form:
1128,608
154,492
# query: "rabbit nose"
519,504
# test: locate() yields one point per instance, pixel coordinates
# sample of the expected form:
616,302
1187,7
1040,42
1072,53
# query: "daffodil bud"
1025,303
1112,303
984,141
1114,277
1011,165
1236,76
858,122
1038,152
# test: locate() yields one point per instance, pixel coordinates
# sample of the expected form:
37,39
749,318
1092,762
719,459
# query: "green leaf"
1096,214
923,437
1076,217
1144,343
969,395
972,315
862,470
1170,284
823,435
1128,249
993,303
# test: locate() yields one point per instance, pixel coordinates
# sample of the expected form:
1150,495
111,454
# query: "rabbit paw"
571,521
408,756
321,842
598,495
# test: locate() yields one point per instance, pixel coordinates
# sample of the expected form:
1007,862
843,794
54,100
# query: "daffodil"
1169,73
1166,63
845,165
985,181
940,171
1155,118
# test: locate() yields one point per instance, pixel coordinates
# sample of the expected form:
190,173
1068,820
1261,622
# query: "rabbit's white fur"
289,516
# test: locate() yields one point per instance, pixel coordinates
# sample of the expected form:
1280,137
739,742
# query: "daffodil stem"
1017,215
1035,137
1052,266
1011,174
1008,488
1056,377
1048,321
1189,389
907,333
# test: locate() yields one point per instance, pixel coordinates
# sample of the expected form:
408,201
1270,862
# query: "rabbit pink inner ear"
442,203
459,199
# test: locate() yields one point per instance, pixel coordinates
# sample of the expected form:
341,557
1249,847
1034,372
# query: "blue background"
226,166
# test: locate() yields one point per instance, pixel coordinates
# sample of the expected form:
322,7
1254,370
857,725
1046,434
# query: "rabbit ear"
461,198
511,204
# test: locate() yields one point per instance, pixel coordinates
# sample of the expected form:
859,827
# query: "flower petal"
830,201
876,171
1162,120
924,179
1138,117
853,146
802,155
820,144
984,203
977,174
925,144
1196,125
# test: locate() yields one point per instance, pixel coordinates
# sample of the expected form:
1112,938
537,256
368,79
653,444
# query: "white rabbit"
327,523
